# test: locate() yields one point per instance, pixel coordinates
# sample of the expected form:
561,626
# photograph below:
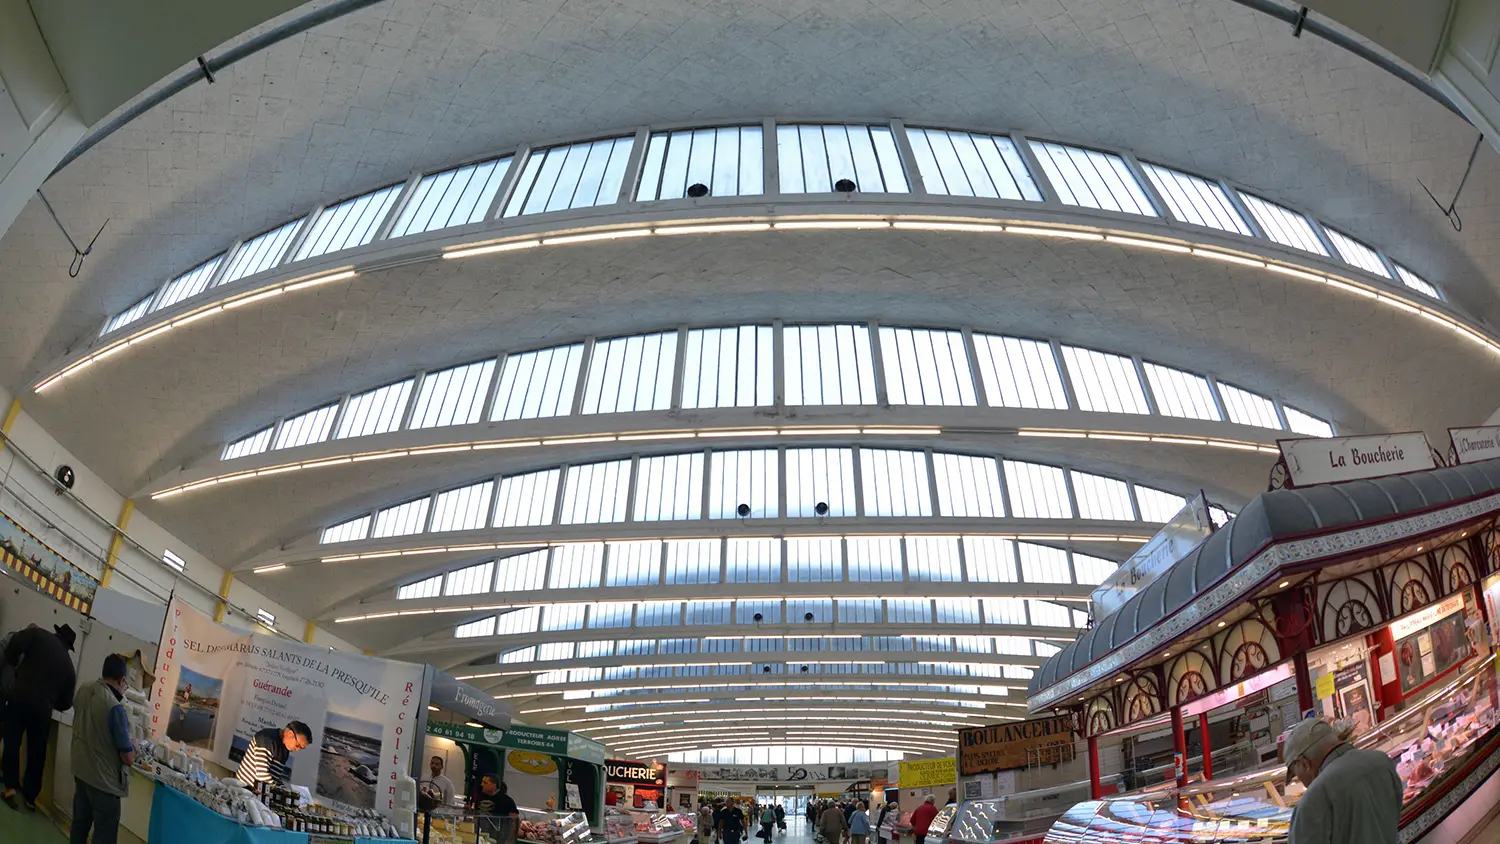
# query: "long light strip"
874,682
776,738
633,436
695,735
842,222
937,713
768,699
550,666
1128,436
644,732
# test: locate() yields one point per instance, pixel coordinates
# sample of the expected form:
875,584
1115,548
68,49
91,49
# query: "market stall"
639,785
1359,601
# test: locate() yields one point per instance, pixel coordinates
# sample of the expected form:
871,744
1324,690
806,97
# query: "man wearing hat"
1353,796
44,679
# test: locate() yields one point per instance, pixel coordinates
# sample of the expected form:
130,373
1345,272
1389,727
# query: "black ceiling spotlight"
743,510
758,617
821,508
765,669
697,190
807,616
845,186
804,669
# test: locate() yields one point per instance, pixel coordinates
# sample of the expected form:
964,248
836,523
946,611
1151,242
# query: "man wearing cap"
44,679
1353,796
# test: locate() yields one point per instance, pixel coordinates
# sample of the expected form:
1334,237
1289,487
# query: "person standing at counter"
42,681
438,786
265,760
102,755
1353,796
921,819
494,802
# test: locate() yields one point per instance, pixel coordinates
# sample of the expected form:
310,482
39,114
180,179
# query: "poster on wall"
928,773
215,688
1435,639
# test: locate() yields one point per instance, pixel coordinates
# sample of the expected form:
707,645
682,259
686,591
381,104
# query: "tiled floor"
28,828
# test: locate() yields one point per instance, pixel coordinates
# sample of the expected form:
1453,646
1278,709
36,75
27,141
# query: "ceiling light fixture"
269,569
1228,258
1148,244
489,249
618,234
713,228
924,225
1069,233
314,281
833,224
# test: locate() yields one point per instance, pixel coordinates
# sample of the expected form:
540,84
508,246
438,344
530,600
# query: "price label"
1325,686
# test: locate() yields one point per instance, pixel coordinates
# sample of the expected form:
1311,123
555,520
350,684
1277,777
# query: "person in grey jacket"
102,754
1353,796
44,679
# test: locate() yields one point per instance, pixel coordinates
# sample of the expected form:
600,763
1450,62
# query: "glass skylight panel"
669,487
595,493
1220,516
453,396
471,580
1003,611
578,175
1102,498
353,222
1092,179
874,558
246,446
611,614
968,486
1247,408
908,611
860,611
729,367
1019,373
828,364
428,588
635,563
129,315
1104,382
957,611
465,508
926,367
970,164
658,614
1156,505
1306,424
538,384
260,253
313,426
1196,200
350,531
518,621
1045,649
187,285
1043,564
821,610
708,612
1357,254
1037,491
590,650
754,560
521,572
631,373
482,627
813,159
1181,394
727,160
990,559
576,565
748,477
527,500
402,519
555,650
933,558
377,411
1417,283
692,561
518,655
451,198
563,616
745,612
819,476
1092,570
1283,225
1049,614
814,559
895,482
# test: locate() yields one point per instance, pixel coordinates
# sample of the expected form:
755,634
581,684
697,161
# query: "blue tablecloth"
177,818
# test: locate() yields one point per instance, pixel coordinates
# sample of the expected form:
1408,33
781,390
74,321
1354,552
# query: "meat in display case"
1435,742
619,826
688,821
654,827
942,822
543,827
1014,818
896,824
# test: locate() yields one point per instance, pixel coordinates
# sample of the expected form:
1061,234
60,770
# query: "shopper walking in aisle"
767,822
101,755
921,819
831,824
1353,796
781,818
43,682
732,825
859,824
705,822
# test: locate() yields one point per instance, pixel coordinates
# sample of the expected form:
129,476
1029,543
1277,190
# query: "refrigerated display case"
543,827
896,825
1435,742
656,827
942,823
688,821
1014,818
619,826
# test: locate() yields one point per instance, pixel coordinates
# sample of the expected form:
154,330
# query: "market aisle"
28,828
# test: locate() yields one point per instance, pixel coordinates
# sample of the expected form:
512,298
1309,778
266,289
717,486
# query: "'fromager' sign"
1333,459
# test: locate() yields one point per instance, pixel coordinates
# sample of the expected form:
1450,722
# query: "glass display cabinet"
540,826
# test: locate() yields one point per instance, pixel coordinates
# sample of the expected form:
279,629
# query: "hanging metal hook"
75,266
1450,212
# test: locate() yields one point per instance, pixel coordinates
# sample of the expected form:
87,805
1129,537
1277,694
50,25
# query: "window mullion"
398,207
1038,175
289,256
1163,212
586,360
679,364
1238,203
877,362
632,479
633,164
778,366
1140,375
1213,390
1064,375
562,487
859,486
338,418
908,159
508,183
411,400
770,167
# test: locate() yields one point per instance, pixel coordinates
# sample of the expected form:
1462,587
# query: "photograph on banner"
217,687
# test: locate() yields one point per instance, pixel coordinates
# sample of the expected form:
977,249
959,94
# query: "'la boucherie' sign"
637,773
1327,460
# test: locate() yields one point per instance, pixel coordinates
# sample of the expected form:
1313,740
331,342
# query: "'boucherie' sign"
1000,747
639,773
1329,460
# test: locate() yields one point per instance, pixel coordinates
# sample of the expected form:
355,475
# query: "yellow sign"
1325,686
531,762
925,773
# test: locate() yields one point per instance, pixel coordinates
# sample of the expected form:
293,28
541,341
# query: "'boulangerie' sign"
1330,460
1016,745
215,688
